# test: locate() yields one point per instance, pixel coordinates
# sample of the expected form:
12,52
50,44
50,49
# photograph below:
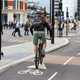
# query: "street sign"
62,18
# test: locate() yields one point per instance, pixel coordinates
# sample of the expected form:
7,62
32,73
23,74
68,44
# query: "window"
26,6
21,5
17,4
14,4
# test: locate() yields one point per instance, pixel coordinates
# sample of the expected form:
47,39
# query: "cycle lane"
53,63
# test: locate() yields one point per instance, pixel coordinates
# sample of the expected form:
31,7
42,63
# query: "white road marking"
15,62
35,72
23,72
53,76
64,65
68,60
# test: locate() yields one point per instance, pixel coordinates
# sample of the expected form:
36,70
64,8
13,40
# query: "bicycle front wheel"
37,59
40,53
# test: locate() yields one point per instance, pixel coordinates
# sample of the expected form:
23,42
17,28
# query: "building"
72,7
14,9
56,6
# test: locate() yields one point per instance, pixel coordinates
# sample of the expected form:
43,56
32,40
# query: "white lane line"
68,60
53,76
64,65
3,68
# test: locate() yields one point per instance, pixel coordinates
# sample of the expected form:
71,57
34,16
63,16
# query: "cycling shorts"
37,36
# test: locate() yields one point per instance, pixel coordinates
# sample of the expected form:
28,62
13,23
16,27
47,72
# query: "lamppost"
52,16
50,9
67,21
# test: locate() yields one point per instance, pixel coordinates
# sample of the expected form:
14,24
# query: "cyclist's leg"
42,65
44,44
35,42
34,49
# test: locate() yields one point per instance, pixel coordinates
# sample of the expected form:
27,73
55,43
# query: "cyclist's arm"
48,26
31,29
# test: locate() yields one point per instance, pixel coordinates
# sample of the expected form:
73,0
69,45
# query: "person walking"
17,29
60,28
67,27
26,28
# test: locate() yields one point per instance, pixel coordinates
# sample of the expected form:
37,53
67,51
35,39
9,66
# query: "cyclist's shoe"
43,53
42,66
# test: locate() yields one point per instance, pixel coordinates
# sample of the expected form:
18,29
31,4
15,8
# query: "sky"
43,3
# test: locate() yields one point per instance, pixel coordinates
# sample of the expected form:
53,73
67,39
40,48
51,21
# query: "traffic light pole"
1,54
52,39
60,14
50,9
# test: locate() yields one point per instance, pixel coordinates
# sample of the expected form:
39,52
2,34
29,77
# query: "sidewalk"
22,52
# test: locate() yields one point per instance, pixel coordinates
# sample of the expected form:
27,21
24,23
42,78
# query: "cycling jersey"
39,26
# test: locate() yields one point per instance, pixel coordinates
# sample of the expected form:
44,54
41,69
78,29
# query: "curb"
66,43
6,67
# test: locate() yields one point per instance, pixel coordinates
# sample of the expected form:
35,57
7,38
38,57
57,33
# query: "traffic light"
62,13
67,13
76,15
60,5
56,14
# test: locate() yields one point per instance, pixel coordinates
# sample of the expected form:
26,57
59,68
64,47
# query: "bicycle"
38,56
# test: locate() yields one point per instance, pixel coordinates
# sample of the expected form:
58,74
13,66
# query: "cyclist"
39,28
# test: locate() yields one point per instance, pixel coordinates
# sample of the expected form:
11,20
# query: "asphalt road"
62,64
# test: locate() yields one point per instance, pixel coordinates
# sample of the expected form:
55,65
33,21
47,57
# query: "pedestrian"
26,28
12,25
67,27
50,31
60,29
17,29
29,21
74,25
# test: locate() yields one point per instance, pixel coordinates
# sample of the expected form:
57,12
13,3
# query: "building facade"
14,9
72,7
56,6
